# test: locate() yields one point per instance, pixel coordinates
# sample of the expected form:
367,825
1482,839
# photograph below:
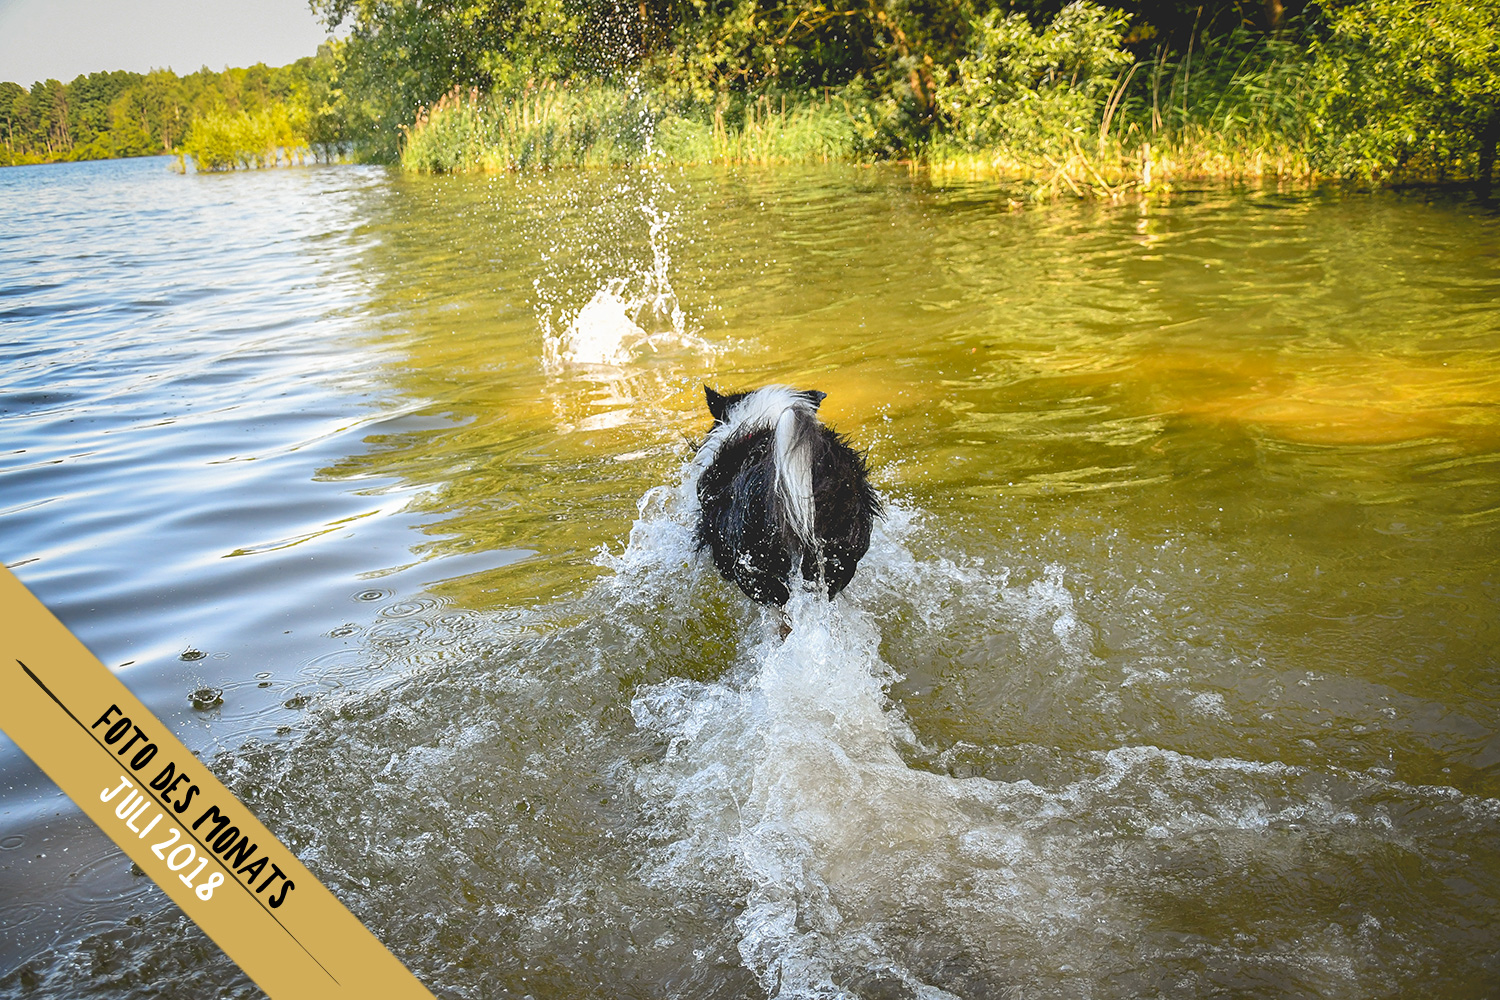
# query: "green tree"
1411,86
403,54
1037,88
49,103
16,122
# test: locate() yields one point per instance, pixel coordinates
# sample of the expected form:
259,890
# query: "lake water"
1173,671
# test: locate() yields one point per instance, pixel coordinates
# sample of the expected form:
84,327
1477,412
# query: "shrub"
1410,87
1025,88
223,140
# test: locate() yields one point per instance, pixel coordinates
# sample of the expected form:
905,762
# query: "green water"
1174,671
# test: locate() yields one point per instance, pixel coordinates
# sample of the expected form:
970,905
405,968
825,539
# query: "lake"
1173,670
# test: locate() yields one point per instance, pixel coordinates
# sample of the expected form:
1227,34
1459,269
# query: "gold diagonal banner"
176,821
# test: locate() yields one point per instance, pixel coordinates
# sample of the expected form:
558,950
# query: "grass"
1239,108
769,129
550,126
594,126
1158,126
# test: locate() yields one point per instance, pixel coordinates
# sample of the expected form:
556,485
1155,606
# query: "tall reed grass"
1233,112
554,125
776,128
548,126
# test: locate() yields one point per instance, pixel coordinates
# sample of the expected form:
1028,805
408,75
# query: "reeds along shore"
557,126
1064,109
1090,100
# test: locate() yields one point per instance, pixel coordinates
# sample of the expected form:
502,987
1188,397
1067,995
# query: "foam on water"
642,790
629,315
786,777
791,778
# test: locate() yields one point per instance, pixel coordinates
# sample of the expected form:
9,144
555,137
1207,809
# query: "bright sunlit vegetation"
237,118
1084,98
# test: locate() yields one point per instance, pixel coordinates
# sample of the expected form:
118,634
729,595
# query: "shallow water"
1172,671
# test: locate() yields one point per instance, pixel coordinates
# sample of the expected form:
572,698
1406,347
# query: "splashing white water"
630,314
787,783
786,778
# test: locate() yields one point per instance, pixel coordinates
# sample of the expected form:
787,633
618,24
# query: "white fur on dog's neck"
793,417
794,471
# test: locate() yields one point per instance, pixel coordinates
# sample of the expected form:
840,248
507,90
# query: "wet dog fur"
778,491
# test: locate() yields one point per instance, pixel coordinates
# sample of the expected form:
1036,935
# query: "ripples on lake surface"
1172,672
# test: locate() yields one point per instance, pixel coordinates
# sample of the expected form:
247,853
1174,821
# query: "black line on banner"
147,789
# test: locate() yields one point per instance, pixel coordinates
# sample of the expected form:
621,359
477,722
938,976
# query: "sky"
59,39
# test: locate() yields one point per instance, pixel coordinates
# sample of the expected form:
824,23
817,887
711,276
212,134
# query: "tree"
15,117
1411,86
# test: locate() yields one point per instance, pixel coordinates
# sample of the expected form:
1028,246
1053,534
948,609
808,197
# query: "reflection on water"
1172,671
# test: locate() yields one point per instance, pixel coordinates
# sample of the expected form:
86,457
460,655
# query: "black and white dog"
779,491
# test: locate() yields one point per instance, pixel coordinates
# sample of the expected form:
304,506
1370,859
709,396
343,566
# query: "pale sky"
59,39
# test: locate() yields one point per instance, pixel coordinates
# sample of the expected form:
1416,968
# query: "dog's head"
720,404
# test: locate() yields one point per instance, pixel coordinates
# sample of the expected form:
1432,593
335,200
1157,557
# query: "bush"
221,140
1364,89
1410,87
1035,89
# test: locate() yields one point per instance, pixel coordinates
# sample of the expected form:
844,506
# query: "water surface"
1172,671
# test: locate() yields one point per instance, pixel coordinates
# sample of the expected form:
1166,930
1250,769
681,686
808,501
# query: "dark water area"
1173,671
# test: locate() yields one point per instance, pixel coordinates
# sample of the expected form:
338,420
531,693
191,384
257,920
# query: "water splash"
869,865
636,312
629,315
646,783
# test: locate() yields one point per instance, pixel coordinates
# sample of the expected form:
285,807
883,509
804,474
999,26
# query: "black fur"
743,523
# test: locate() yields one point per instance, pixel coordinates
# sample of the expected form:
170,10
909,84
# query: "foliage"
1084,96
1071,102
1410,87
1384,88
405,54
604,125
224,140
402,55
888,58
103,115
1035,88
1035,67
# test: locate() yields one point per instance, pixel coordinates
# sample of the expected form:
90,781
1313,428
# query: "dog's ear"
813,396
717,404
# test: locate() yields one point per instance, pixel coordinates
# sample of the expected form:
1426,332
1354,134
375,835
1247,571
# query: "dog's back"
778,491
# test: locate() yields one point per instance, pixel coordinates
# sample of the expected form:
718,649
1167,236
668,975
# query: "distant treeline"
1087,96
119,114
